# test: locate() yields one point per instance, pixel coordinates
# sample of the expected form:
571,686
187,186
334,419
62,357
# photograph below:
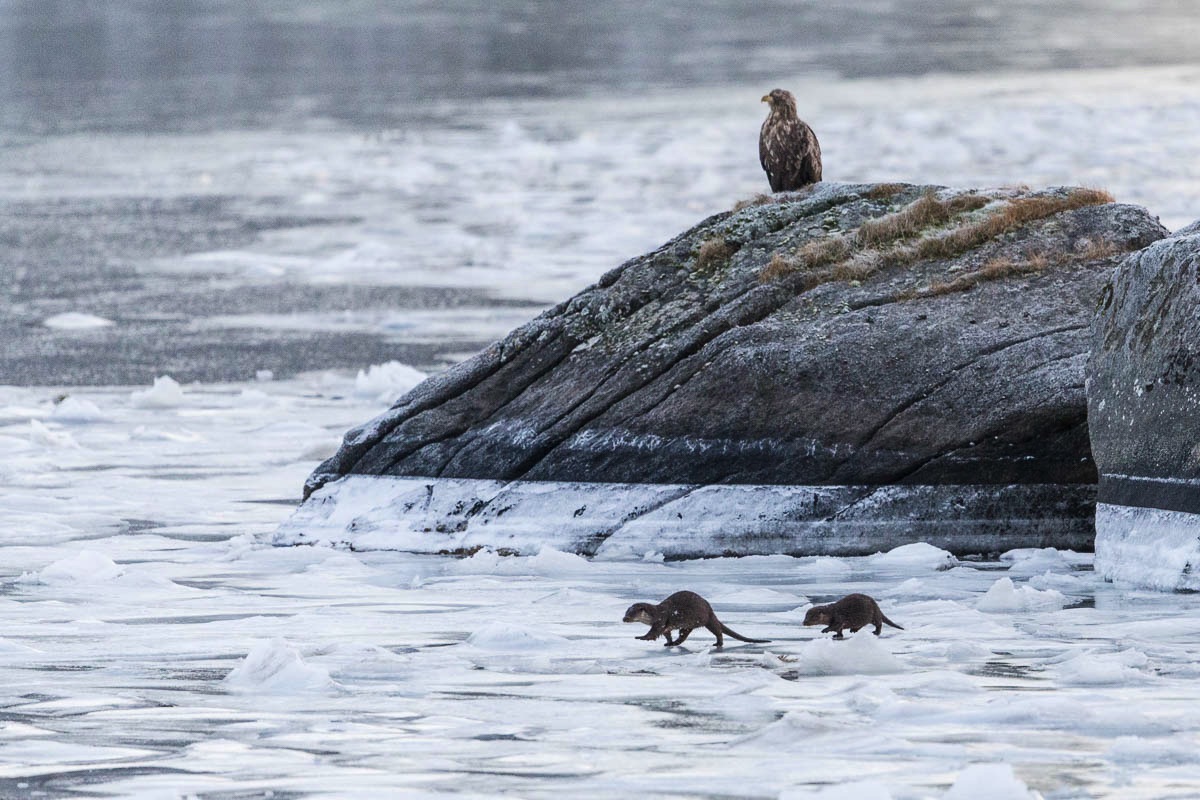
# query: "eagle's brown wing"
790,154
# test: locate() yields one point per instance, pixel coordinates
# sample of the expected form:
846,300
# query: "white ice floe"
548,561
76,321
77,410
924,589
41,434
275,667
989,782
1064,582
1005,596
387,382
917,554
757,596
86,566
1106,669
144,433
254,398
816,567
861,653
1179,750
512,637
1035,561
9,646
852,790
960,651
165,393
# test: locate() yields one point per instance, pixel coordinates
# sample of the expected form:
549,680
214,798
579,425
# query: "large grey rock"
1144,402
686,367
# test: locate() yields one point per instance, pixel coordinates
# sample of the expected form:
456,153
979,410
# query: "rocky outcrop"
1144,405
915,353
1188,230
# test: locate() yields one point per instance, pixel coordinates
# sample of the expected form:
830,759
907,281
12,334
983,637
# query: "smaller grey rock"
1188,230
1143,385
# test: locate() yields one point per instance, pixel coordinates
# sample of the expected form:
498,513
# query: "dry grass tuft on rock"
924,212
713,253
757,200
1096,249
993,269
1005,266
777,268
904,236
885,191
1005,218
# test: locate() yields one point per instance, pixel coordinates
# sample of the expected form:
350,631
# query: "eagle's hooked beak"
766,98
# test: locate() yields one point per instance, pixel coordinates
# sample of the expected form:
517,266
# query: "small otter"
853,611
684,612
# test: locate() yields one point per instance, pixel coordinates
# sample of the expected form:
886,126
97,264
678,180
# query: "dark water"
184,64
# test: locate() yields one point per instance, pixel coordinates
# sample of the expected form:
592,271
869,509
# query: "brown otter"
853,611
683,611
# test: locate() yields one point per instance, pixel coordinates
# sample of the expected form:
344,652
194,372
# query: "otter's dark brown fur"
853,611
684,612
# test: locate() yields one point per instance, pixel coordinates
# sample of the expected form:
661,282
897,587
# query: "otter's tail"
725,629
889,622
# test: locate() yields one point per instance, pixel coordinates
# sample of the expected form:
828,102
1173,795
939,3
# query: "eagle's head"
781,101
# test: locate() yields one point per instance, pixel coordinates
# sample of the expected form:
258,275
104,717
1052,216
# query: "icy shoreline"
1147,547
608,520
156,646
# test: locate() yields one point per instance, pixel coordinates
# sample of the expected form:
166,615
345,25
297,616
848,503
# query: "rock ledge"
898,360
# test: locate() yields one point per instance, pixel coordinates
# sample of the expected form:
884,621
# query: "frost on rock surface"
1143,389
899,363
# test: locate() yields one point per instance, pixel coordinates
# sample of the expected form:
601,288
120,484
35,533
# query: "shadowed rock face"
1144,404
949,352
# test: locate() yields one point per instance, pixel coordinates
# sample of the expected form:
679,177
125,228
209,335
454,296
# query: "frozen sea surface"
154,647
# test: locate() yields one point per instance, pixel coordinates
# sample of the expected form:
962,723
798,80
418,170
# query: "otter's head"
817,615
639,612
781,101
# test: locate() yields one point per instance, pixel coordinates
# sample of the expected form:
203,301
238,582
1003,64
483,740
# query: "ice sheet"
155,645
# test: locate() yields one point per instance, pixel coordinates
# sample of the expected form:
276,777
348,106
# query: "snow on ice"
149,624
